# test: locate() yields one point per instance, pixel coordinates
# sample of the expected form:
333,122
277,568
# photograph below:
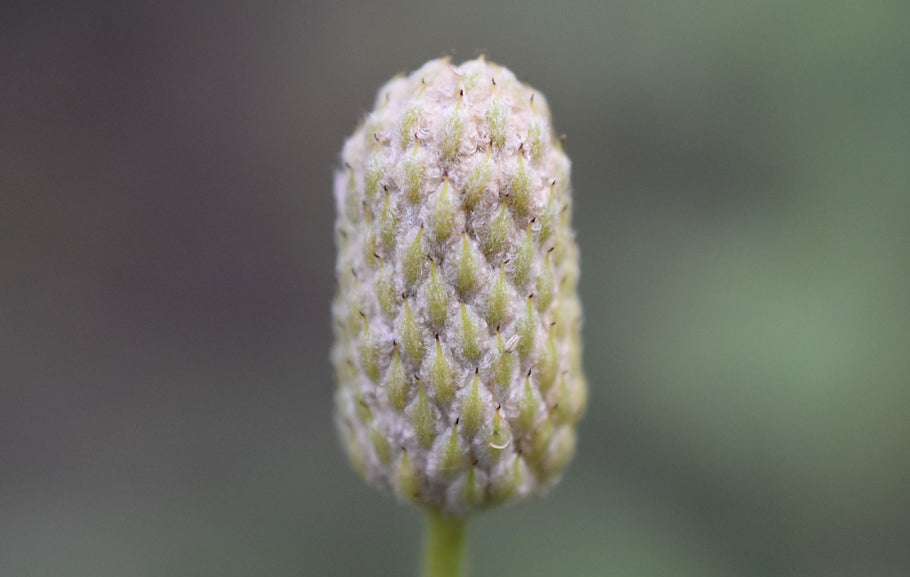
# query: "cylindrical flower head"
457,322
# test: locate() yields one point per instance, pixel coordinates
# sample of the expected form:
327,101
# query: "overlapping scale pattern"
457,322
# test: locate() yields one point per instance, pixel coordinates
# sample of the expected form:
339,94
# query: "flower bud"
457,323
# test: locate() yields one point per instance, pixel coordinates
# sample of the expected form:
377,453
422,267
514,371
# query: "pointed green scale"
352,200
562,317
452,134
546,285
380,445
386,293
565,216
369,352
369,248
521,262
471,493
502,367
453,455
414,170
423,418
470,345
567,402
497,121
397,383
562,451
548,364
388,223
549,215
579,396
562,239
437,299
541,435
561,187
569,284
527,414
370,132
349,284
341,237
409,121
527,329
346,372
557,144
478,181
410,335
407,478
472,409
535,139
498,299
471,79
520,195
467,269
560,245
414,258
371,178
505,487
575,353
355,457
443,212
443,379
363,410
354,322
500,437
497,233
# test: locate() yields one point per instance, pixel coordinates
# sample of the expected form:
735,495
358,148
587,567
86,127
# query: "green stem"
444,545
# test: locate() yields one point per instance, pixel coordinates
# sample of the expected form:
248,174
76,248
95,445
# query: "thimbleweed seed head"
457,350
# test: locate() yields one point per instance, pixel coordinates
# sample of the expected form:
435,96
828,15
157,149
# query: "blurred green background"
743,199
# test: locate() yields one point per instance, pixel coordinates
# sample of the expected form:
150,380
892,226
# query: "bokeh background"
743,200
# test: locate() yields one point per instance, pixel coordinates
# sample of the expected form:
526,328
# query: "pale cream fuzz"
457,322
